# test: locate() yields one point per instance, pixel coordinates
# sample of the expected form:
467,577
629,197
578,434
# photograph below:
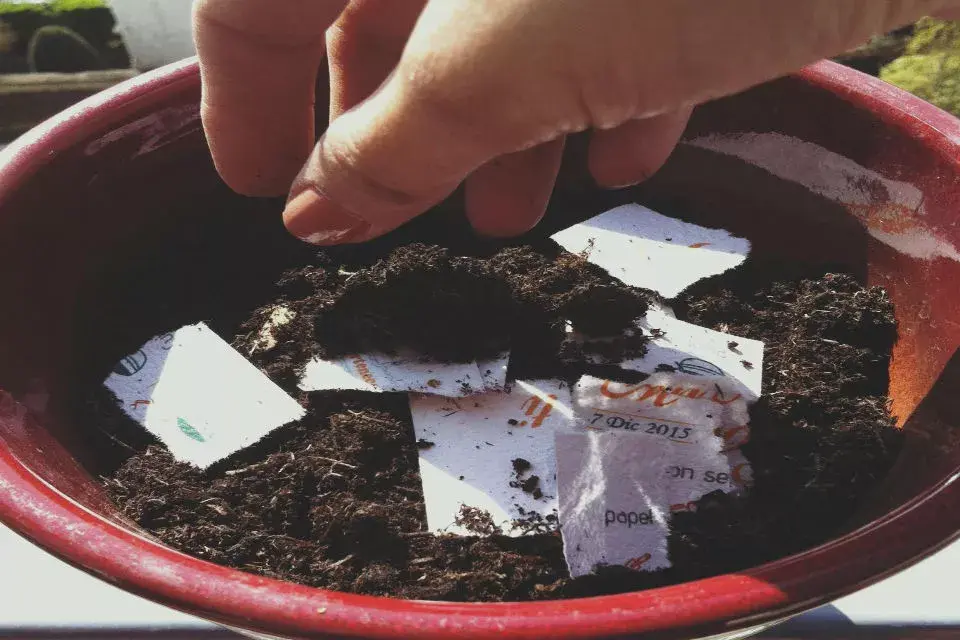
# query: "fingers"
508,196
478,80
420,134
389,159
378,166
363,47
635,150
259,62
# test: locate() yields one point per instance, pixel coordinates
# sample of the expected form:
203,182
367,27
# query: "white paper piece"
677,437
673,407
200,397
380,372
696,350
688,412
646,249
475,441
617,493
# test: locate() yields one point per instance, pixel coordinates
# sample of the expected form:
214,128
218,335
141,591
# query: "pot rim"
241,600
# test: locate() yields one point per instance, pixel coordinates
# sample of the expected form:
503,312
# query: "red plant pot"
828,166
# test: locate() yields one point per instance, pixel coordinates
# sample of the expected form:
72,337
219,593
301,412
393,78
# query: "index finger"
259,61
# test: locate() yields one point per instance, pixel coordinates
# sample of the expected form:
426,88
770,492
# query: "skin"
427,94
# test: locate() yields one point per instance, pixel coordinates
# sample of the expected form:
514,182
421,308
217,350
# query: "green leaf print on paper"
188,429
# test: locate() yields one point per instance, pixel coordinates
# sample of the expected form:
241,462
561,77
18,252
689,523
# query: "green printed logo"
188,429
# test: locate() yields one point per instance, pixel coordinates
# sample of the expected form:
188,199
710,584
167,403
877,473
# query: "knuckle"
259,23
608,98
342,162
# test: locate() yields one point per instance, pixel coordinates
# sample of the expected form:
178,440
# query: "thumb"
383,163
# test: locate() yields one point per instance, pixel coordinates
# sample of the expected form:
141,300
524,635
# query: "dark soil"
335,500
821,435
477,521
450,308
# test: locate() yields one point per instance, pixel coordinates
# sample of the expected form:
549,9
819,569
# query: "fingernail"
621,181
316,219
622,184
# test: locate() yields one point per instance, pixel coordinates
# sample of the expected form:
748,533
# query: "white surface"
156,32
199,396
382,372
700,351
646,249
474,445
924,594
38,590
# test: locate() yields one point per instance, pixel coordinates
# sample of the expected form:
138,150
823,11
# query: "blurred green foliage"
930,66
53,7
58,35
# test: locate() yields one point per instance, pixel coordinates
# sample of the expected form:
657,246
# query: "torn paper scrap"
646,249
687,412
198,396
691,349
672,407
678,437
494,453
392,373
617,493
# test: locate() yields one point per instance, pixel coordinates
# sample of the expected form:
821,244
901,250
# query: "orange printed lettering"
719,399
658,393
683,506
733,437
536,411
616,395
638,562
663,396
742,474
361,366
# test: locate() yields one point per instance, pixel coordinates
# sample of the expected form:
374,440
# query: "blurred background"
56,52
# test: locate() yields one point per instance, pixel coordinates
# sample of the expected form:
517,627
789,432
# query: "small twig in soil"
117,440
252,467
340,562
332,461
217,508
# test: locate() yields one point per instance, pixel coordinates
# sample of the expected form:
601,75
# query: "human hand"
427,94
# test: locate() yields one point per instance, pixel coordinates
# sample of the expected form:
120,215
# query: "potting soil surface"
335,500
